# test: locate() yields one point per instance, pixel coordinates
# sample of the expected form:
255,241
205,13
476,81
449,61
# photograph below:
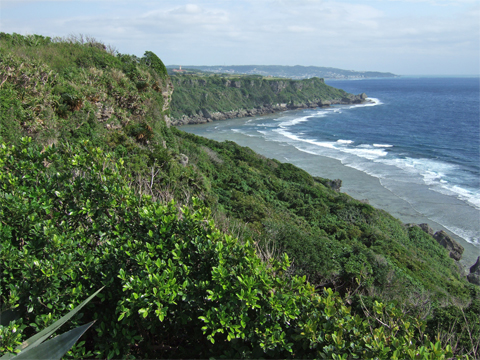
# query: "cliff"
200,99
203,247
71,89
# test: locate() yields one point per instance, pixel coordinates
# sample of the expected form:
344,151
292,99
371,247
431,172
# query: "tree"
155,63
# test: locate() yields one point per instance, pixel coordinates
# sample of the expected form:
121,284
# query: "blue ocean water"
419,136
430,126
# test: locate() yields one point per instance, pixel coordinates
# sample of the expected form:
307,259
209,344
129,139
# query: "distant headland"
291,72
204,97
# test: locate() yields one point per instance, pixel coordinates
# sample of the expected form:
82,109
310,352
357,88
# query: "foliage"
106,197
28,40
197,93
155,63
332,238
174,284
458,326
71,89
37,348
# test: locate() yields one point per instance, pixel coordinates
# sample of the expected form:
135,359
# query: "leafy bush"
38,347
74,207
174,284
155,63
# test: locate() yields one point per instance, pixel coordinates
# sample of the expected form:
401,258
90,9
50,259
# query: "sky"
405,37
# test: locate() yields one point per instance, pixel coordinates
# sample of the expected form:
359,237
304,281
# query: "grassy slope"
332,237
62,91
70,91
89,94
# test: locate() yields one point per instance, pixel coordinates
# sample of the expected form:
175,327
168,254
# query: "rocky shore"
455,252
204,116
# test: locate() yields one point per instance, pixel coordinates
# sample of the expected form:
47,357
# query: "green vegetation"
70,90
36,347
196,93
174,284
204,248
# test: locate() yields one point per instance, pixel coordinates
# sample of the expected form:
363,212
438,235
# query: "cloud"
189,18
438,2
300,29
364,35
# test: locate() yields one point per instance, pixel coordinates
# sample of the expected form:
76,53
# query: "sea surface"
418,138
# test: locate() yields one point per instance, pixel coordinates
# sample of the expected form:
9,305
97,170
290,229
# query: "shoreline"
205,116
355,183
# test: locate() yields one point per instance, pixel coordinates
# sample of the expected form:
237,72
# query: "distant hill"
202,97
292,72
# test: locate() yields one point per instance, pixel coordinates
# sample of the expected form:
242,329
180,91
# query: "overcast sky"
400,36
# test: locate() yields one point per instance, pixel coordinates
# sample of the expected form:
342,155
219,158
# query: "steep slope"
69,90
203,98
93,210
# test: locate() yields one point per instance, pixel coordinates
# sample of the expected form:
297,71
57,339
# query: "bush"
155,63
174,284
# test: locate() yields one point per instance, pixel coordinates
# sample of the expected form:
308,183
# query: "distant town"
291,72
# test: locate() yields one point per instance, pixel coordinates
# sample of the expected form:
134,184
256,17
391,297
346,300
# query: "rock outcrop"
332,184
455,249
183,159
335,184
167,91
426,228
474,276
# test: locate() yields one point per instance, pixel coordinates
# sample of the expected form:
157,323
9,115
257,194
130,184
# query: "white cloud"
193,9
300,29
438,2
363,35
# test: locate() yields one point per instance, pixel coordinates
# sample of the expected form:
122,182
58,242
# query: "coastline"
205,116
355,183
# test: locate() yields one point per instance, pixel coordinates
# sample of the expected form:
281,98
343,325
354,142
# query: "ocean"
413,150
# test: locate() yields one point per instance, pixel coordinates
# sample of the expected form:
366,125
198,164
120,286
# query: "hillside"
202,98
292,72
205,249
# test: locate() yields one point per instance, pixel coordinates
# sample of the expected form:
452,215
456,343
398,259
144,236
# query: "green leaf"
55,348
45,333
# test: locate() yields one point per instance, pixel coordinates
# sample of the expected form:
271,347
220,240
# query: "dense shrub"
155,63
322,229
175,286
76,209
75,89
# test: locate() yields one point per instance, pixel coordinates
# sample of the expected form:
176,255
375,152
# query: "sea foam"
383,145
370,102
432,172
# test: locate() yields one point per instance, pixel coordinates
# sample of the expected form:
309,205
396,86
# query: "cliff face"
203,99
79,91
